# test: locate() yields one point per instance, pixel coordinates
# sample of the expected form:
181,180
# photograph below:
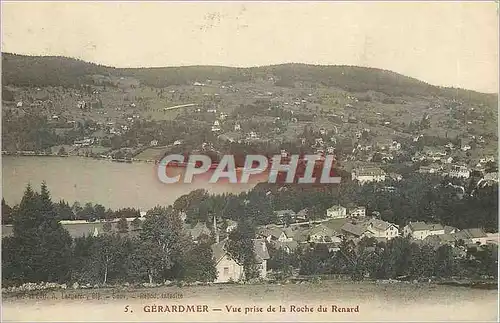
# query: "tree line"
419,197
41,249
399,258
64,211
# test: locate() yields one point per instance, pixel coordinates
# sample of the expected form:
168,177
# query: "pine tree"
44,245
6,213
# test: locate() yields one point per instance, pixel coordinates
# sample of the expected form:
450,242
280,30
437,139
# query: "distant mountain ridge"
23,70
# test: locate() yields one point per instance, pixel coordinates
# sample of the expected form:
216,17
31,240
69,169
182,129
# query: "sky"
442,43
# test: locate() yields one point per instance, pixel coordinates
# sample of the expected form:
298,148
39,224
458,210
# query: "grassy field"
151,154
375,301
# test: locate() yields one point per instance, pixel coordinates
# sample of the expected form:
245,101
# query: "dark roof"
322,230
335,224
199,229
260,249
475,233
420,226
272,230
76,230
448,229
354,229
284,212
379,224
218,250
292,245
369,171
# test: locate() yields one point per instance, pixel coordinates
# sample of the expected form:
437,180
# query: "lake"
114,185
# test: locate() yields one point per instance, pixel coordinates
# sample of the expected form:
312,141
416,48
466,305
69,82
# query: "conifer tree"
44,245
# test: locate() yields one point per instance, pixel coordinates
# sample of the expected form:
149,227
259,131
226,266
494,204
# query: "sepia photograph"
248,161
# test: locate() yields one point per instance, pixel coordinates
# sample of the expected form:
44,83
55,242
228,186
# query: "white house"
476,235
323,234
282,214
231,226
382,229
252,135
228,269
357,212
336,212
459,171
421,230
430,169
368,174
395,146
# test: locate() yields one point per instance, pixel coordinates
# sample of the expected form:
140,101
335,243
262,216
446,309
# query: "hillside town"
418,165
294,231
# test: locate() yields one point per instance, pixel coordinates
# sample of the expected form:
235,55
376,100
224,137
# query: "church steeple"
216,232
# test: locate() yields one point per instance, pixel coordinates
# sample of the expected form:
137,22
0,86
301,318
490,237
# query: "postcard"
245,161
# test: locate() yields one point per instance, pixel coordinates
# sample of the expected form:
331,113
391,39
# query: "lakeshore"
112,184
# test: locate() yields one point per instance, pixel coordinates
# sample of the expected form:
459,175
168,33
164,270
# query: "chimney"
216,232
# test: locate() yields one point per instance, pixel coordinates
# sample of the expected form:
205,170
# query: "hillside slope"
24,70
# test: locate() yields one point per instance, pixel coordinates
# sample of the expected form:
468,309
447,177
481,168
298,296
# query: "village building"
368,174
283,214
274,233
475,235
231,226
323,234
336,212
228,269
199,230
395,176
382,229
288,246
430,169
355,231
421,230
357,212
434,154
302,215
459,171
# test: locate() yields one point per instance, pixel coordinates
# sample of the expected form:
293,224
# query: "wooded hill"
22,70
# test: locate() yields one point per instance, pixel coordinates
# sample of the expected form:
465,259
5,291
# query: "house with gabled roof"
368,174
476,235
198,230
229,269
323,234
420,230
382,229
336,212
355,231
274,233
288,247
